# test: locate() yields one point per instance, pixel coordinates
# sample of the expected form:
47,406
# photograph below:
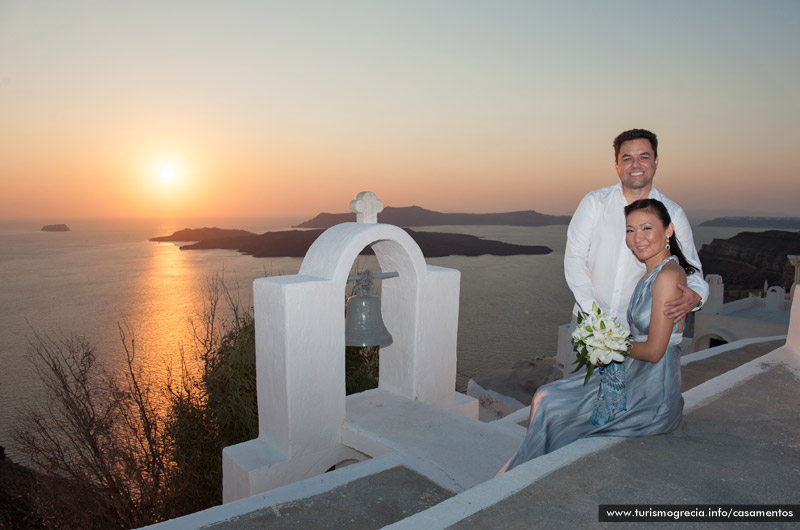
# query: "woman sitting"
562,411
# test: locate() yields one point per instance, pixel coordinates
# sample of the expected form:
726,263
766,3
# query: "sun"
167,173
168,183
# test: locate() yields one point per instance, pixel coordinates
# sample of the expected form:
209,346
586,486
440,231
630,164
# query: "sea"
105,278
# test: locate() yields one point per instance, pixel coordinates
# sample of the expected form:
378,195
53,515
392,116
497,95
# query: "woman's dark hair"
657,208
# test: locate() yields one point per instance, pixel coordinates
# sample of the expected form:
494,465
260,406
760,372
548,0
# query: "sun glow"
167,173
168,186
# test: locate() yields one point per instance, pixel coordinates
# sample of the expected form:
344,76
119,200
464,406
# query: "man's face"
636,164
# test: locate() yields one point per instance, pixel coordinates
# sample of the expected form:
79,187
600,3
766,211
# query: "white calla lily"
600,339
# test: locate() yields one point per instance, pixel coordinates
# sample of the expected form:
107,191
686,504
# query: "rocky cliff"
748,259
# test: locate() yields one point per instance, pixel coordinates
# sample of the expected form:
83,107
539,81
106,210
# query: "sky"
168,109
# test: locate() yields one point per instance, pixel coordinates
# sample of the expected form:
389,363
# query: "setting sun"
164,185
168,173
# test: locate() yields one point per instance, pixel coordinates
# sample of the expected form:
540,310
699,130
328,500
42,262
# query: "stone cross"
366,206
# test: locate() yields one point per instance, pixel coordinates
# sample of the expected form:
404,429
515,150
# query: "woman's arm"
665,288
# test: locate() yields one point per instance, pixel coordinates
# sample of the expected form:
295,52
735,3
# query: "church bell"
364,324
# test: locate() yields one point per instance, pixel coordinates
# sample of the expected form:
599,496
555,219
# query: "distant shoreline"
780,223
415,216
295,243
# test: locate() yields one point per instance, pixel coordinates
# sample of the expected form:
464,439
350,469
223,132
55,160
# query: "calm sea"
103,274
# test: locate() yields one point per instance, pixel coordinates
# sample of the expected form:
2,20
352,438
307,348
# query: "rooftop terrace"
739,443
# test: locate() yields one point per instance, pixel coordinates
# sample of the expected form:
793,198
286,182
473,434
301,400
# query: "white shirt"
598,264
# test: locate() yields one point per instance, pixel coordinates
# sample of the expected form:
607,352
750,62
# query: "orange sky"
291,108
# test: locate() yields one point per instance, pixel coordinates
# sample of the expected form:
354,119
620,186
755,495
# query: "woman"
561,412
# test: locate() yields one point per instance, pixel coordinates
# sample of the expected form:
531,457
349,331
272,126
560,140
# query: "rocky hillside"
748,259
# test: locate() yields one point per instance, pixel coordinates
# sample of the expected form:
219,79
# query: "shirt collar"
654,193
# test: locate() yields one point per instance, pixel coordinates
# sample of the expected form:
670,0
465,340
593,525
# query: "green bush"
211,412
361,368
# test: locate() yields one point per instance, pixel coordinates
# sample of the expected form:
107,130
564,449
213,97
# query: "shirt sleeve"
683,232
576,255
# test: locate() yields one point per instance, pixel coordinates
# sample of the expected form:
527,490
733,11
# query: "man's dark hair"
635,134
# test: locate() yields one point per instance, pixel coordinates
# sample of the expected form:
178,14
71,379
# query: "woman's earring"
667,246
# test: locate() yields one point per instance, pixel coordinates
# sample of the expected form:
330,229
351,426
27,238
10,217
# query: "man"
598,265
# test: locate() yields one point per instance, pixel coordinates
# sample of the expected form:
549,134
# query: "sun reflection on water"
167,298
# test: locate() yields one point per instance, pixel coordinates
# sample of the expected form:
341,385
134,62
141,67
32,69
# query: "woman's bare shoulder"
670,275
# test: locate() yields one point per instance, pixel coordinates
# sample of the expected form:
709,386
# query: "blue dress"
653,402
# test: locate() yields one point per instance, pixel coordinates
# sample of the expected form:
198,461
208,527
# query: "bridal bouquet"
599,340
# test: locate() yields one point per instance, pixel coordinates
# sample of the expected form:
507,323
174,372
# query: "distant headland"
748,259
295,243
781,223
416,216
55,228
203,234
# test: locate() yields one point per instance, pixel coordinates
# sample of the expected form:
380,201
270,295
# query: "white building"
718,323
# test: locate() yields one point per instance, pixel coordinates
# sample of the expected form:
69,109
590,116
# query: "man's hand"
678,308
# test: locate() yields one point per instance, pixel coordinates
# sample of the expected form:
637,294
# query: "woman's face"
645,234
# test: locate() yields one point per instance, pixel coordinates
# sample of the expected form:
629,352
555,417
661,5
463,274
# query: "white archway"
703,341
300,348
